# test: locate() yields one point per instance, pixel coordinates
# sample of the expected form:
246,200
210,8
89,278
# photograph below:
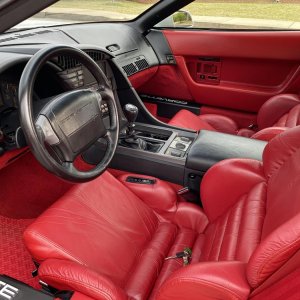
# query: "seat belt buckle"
186,256
253,127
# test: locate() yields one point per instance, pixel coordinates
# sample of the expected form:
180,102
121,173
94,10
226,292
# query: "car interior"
147,162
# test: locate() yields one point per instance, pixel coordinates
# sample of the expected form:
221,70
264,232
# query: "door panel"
228,72
252,66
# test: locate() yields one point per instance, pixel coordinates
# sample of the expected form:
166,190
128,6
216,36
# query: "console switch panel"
140,180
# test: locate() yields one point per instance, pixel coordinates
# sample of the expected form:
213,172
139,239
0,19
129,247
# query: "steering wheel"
71,122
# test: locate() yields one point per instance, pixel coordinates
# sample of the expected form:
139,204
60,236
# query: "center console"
173,154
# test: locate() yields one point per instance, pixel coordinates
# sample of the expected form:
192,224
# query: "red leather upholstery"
101,240
207,281
159,196
187,119
275,112
73,276
269,133
79,296
274,117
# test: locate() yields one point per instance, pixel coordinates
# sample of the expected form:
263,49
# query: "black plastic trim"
167,107
25,292
160,45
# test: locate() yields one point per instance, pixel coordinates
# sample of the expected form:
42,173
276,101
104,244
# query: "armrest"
163,199
160,196
67,275
226,182
210,280
268,133
211,147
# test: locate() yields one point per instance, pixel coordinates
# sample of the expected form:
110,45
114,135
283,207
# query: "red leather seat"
275,116
108,239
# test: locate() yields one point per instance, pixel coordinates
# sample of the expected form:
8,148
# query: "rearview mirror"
181,18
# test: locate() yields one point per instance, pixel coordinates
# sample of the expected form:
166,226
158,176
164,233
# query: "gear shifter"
131,113
131,140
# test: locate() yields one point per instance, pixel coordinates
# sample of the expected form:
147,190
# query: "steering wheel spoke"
46,132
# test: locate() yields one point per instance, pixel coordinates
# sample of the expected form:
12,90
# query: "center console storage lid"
211,147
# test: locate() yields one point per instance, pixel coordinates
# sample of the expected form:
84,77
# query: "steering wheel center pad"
76,120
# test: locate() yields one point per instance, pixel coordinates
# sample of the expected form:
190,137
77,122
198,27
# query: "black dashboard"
61,74
117,48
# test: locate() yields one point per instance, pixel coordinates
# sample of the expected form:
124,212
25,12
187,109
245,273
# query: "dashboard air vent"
95,55
140,63
67,62
130,69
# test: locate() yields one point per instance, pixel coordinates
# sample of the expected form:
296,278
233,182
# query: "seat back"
280,111
281,229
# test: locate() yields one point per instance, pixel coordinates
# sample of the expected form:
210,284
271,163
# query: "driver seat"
108,238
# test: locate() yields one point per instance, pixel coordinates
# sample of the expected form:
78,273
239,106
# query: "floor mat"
27,189
15,261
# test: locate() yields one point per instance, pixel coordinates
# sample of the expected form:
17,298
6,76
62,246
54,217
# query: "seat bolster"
275,108
160,196
191,216
274,251
220,123
268,133
209,280
224,184
68,275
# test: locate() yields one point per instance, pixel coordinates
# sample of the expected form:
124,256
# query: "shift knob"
130,112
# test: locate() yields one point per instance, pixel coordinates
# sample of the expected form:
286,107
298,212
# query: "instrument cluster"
8,94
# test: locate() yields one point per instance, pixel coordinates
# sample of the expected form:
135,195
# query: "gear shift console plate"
136,140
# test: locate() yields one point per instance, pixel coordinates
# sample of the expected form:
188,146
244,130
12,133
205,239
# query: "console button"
180,146
185,139
175,153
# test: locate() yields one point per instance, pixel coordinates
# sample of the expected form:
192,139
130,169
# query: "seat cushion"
84,212
214,122
187,119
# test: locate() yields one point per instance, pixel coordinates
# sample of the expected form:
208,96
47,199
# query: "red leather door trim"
262,45
254,65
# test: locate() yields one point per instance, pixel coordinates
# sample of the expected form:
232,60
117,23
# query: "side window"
237,14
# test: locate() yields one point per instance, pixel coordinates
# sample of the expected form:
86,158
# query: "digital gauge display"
9,92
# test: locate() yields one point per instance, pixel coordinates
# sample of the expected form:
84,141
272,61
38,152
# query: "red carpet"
15,261
27,189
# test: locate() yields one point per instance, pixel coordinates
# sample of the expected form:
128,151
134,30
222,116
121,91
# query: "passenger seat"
275,116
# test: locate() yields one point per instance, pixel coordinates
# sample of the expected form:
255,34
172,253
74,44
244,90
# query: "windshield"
80,11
